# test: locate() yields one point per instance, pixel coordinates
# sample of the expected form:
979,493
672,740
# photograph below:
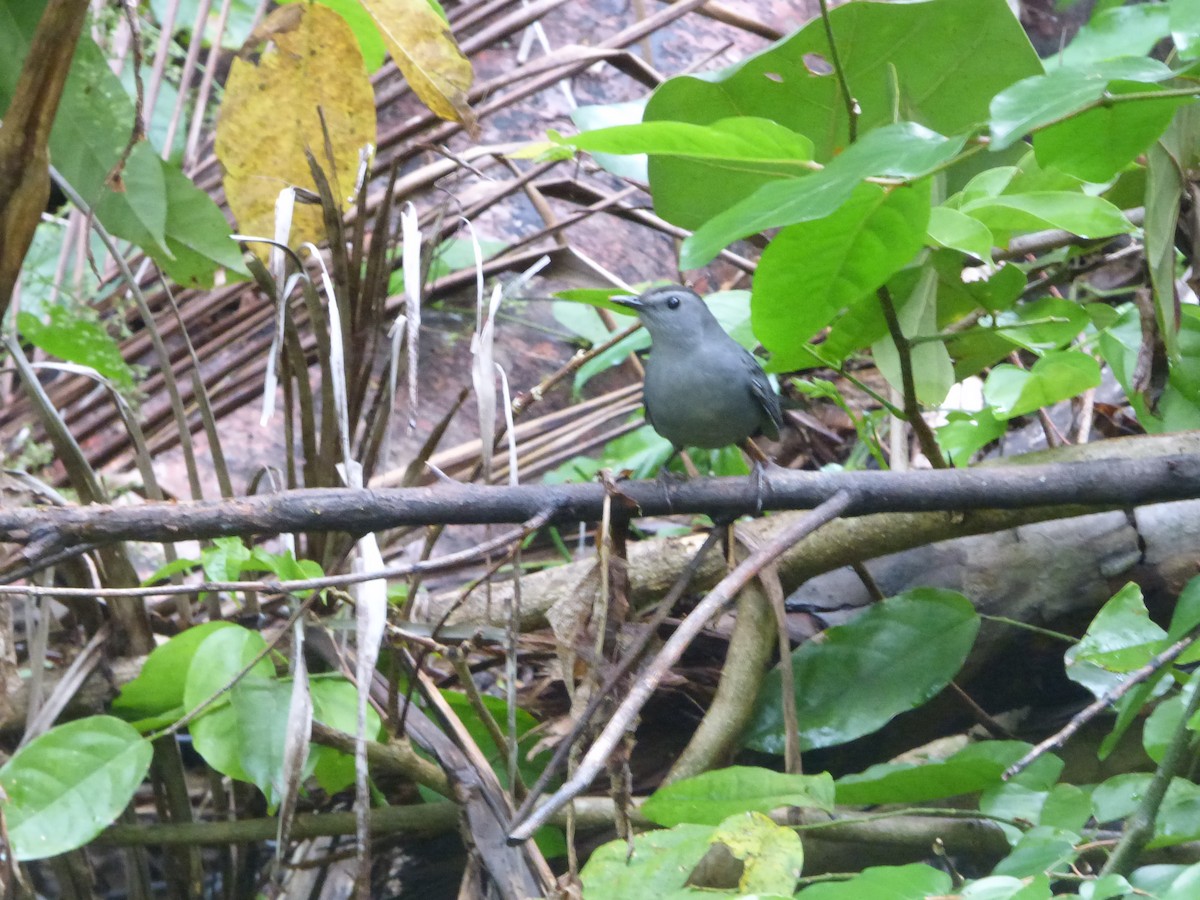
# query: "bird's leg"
760,463
664,471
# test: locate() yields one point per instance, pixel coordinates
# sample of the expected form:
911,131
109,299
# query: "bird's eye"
672,303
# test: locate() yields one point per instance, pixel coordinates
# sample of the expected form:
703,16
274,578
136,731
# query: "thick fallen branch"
1101,483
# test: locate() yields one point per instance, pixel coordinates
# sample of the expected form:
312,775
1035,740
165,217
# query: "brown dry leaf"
270,115
425,51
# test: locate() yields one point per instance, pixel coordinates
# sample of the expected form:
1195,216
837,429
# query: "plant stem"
912,410
1139,827
851,104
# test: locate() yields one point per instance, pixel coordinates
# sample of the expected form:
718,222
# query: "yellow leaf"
424,49
272,113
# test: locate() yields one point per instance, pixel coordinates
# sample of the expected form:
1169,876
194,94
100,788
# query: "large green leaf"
745,144
1081,214
1184,19
712,797
972,769
903,150
915,881
652,866
1097,144
1120,638
885,53
154,205
1056,376
958,231
335,704
814,271
1119,31
217,733
1042,100
76,336
158,689
69,784
898,654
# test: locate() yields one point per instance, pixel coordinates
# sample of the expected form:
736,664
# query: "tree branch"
1097,483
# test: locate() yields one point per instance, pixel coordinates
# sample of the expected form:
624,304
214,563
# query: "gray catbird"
703,389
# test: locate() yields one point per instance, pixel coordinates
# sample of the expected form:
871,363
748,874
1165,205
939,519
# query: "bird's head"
673,314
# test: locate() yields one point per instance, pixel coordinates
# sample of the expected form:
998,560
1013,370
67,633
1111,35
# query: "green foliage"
957,152
1047,822
712,797
77,337
241,734
66,786
154,204
898,654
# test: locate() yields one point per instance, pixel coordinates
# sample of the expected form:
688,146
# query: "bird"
702,388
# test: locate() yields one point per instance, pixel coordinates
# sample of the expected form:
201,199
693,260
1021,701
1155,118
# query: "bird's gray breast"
704,403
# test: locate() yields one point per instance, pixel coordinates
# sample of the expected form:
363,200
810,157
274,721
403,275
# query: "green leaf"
973,768
904,150
1080,214
158,689
958,231
1067,806
1056,376
1120,638
1168,882
915,881
215,663
1179,817
642,452
1179,406
657,864
1036,102
69,784
90,132
1162,724
712,797
139,211
1042,100
1007,887
79,337
589,118
898,653
1116,797
335,703
965,434
1121,31
812,272
885,54
741,143
225,559
1039,850
771,855
1052,323
1099,143
260,707
198,237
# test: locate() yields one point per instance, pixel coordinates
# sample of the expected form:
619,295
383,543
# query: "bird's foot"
760,472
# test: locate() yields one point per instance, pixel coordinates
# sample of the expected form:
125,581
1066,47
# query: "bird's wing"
765,397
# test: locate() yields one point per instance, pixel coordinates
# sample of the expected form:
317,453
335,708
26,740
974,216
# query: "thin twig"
1139,827
912,408
634,653
852,110
1100,704
622,720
